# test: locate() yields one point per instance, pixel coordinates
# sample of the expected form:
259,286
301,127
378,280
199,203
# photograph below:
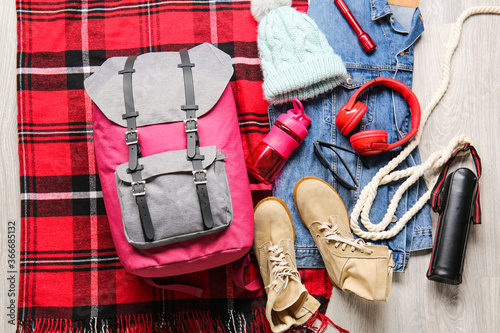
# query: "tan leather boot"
352,265
288,301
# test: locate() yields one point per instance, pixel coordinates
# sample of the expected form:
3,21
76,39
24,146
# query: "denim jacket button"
402,53
394,218
349,80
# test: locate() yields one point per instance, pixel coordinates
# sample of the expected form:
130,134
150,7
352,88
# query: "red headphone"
373,142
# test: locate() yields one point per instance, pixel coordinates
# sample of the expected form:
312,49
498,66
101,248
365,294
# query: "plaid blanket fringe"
188,321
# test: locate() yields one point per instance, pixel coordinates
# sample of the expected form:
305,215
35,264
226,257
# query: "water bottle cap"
295,119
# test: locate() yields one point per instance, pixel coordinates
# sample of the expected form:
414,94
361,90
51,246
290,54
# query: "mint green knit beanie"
296,59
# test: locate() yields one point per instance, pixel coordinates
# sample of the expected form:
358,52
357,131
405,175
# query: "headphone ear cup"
369,142
346,119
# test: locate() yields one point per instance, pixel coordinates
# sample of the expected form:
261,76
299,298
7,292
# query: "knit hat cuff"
304,80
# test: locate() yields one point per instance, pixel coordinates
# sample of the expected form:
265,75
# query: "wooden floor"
471,107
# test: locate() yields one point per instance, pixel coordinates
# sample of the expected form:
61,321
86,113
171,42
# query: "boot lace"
332,233
280,267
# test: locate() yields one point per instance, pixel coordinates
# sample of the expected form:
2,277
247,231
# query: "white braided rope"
435,161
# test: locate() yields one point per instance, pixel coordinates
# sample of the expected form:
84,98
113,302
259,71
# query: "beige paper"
405,3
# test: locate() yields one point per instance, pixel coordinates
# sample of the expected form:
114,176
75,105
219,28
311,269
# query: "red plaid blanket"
71,279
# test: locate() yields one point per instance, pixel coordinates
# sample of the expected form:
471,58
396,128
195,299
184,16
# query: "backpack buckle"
139,188
191,125
131,137
203,180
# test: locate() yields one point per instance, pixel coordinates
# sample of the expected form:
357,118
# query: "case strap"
193,143
132,141
437,191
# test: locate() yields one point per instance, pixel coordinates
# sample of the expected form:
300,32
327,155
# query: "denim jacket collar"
381,8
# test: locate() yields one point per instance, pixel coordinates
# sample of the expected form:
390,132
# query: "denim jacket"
394,29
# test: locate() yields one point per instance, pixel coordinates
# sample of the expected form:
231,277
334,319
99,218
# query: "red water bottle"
287,133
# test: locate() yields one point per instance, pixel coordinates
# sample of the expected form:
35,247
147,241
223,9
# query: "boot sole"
282,203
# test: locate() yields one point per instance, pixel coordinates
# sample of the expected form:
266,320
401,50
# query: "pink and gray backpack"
170,161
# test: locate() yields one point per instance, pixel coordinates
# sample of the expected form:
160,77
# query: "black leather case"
457,210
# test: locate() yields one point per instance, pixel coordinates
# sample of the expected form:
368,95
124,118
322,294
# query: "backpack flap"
158,85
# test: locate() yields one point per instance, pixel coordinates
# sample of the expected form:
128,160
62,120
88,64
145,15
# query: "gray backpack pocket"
172,198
